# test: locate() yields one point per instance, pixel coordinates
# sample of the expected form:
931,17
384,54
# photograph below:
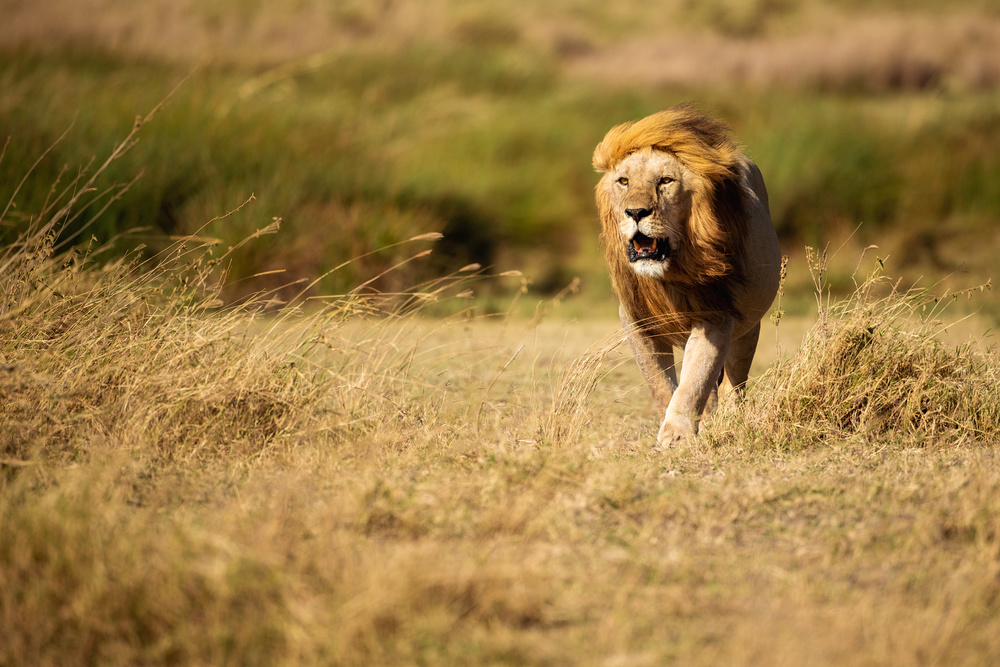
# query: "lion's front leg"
655,358
704,357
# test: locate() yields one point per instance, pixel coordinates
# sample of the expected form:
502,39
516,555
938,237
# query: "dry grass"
854,53
102,353
833,45
876,366
362,485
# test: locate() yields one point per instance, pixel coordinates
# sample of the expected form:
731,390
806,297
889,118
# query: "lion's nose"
638,214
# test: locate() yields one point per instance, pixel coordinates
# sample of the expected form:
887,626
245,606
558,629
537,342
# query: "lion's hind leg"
737,366
713,399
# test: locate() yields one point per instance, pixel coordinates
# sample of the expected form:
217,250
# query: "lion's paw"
673,432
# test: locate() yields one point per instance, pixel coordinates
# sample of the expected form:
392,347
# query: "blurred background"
362,123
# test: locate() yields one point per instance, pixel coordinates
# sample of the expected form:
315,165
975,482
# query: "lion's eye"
666,179
622,181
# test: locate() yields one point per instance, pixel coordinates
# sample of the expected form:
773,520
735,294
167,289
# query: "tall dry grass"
104,351
133,398
875,366
102,348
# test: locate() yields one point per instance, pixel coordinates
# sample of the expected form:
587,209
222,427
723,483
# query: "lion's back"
762,252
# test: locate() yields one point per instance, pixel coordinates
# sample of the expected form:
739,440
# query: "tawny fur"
723,274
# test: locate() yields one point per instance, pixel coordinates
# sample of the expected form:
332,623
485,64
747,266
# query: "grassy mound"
875,367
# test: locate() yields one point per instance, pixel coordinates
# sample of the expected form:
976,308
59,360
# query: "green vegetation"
485,134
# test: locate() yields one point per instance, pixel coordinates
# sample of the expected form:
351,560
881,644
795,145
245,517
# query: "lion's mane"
712,262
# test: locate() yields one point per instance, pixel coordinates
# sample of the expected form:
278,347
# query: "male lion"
692,253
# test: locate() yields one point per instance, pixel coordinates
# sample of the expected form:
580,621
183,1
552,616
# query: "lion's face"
650,197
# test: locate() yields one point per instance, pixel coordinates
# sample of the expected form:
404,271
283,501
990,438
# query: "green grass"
360,150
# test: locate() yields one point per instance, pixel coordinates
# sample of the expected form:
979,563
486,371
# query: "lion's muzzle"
644,247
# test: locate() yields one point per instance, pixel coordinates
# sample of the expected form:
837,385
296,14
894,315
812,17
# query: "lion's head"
670,200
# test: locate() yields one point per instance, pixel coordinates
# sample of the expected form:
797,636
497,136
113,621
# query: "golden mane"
702,143
715,261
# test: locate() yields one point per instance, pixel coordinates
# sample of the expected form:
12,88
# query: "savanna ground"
457,467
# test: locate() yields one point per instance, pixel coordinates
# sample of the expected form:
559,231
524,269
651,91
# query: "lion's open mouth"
644,247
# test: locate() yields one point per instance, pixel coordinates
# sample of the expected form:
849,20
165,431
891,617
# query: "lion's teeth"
646,245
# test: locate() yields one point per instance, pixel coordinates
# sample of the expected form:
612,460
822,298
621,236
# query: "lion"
693,257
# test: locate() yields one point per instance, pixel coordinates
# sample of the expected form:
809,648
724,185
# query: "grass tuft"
874,366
